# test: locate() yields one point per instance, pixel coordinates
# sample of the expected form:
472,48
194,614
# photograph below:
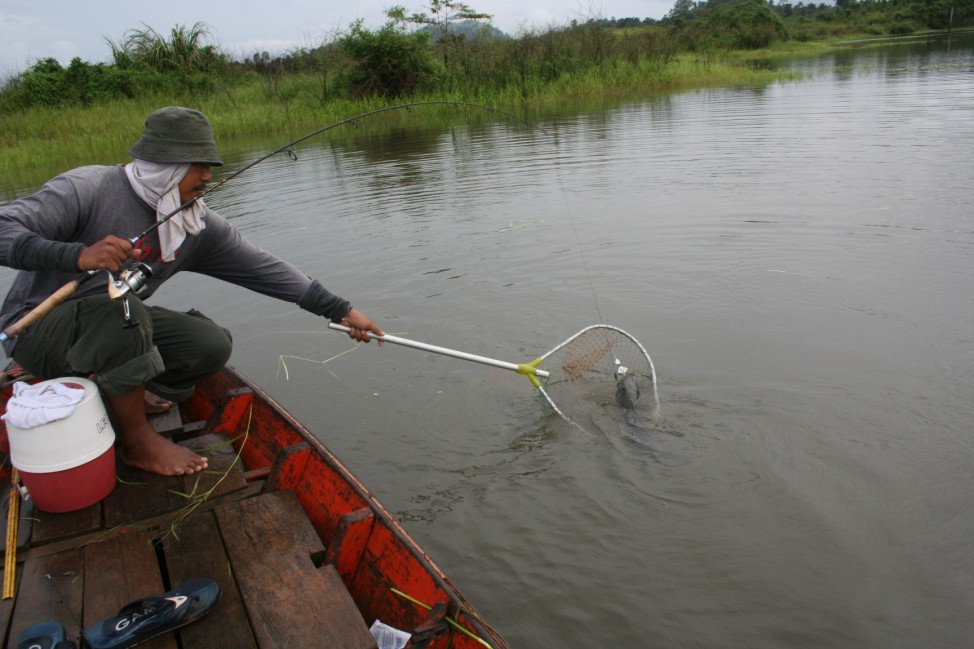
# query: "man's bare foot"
152,452
142,446
155,404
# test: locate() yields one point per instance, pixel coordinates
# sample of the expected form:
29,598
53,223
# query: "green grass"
60,138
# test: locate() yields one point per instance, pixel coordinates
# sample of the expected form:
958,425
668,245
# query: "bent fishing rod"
134,278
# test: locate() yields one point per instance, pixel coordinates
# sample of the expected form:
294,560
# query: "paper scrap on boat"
388,637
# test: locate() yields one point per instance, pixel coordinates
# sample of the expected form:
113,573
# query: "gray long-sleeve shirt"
42,235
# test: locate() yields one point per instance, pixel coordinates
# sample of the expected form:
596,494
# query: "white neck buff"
157,184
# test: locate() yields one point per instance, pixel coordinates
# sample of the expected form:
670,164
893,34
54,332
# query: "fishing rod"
134,278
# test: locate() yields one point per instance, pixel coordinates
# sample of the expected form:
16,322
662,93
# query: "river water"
797,259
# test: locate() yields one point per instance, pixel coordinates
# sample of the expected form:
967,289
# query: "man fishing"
78,221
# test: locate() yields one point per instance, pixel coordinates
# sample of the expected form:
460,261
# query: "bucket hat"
177,134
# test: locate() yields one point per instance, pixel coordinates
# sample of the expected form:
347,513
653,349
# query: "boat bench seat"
272,546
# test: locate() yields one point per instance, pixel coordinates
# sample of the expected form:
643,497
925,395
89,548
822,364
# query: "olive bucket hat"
177,134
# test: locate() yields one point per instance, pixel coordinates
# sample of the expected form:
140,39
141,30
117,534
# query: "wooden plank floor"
154,532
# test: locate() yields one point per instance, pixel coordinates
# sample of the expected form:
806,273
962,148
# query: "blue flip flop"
146,618
44,635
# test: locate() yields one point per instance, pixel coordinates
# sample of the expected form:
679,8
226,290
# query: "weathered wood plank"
118,571
157,525
51,588
289,601
198,553
140,495
342,612
166,422
49,527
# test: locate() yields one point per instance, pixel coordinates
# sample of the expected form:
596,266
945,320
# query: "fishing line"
602,353
581,249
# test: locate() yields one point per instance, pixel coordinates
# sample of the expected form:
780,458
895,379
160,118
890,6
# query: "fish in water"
627,392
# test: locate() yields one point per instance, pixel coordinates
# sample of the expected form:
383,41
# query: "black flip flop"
152,616
44,635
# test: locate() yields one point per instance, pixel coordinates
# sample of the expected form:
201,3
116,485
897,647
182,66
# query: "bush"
747,25
47,83
144,64
386,63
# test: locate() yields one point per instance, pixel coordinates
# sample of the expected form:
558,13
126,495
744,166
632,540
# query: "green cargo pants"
167,351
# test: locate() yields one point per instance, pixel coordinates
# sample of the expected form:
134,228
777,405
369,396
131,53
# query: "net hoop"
584,362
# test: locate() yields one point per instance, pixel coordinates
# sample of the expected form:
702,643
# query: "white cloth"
36,405
157,183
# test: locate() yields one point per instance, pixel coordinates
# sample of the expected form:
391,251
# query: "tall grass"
45,137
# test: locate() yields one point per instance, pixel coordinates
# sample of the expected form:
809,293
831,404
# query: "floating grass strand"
287,375
450,620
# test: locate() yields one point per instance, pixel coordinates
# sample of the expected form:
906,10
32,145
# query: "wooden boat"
304,554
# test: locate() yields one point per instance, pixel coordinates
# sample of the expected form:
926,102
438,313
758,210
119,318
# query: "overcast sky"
63,29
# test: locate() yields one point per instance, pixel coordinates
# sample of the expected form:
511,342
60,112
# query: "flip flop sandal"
146,618
44,635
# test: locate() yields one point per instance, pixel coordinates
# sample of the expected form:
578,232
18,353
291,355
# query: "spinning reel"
130,280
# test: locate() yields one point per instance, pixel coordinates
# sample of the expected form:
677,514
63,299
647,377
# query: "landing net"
600,367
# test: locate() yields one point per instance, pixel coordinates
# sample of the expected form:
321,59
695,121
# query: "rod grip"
41,310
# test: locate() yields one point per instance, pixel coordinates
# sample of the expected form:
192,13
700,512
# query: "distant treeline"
459,53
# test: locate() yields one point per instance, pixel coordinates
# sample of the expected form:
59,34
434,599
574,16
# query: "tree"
443,14
681,9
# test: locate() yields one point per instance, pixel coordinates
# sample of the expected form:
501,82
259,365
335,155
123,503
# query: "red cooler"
67,464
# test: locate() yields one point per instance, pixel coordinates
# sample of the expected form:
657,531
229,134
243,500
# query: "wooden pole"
10,558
